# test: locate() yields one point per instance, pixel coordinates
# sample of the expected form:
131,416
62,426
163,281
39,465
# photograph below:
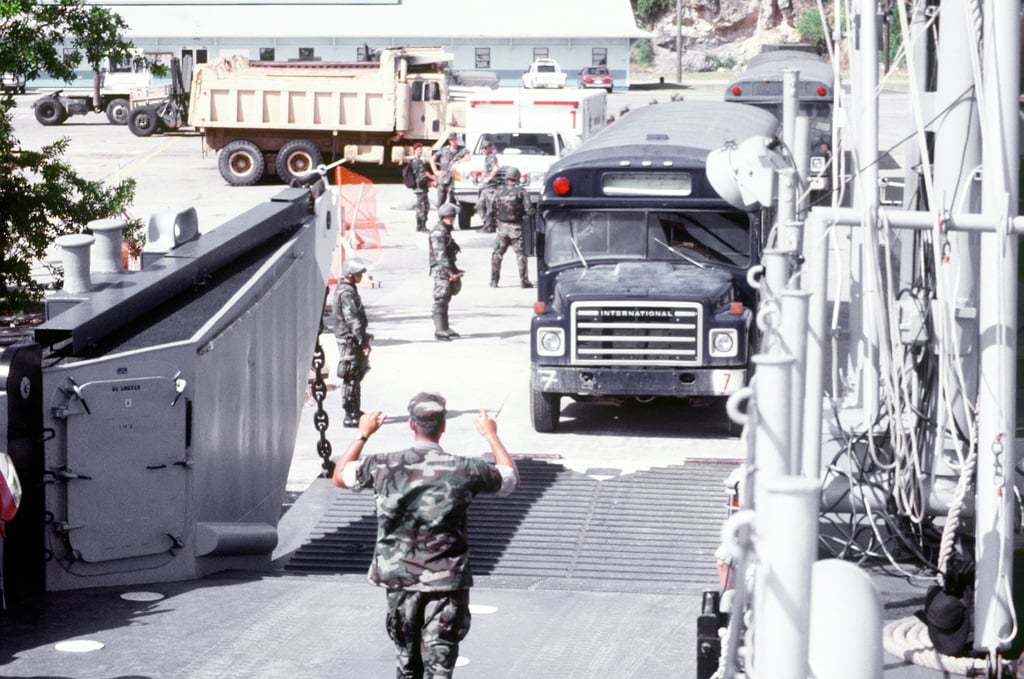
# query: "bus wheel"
117,111
545,410
297,159
241,163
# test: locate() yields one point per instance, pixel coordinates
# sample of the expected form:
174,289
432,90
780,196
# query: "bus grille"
644,334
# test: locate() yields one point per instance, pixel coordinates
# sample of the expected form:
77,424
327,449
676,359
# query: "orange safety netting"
357,198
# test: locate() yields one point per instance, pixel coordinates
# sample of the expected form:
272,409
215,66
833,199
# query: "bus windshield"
695,237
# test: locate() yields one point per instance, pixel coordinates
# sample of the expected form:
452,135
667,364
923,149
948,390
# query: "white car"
544,73
12,82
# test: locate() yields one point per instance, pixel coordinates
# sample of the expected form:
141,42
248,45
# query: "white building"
504,37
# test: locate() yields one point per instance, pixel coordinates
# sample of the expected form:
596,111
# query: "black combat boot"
440,330
447,328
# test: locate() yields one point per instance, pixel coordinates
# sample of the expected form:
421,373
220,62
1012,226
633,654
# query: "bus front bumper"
626,382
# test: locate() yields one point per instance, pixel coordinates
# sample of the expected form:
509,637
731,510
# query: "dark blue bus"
642,266
761,85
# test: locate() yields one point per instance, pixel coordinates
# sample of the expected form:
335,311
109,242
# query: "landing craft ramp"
653,531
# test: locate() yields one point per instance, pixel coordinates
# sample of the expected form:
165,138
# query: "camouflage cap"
427,407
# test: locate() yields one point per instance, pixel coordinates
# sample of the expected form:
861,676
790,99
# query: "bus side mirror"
745,174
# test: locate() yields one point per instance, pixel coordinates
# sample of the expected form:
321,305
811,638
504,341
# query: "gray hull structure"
170,403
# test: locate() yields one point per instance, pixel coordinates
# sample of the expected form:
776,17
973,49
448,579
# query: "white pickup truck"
544,73
529,131
531,151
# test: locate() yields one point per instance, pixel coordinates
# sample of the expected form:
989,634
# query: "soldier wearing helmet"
446,274
353,340
443,164
511,205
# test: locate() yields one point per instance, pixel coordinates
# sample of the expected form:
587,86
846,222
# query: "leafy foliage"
41,196
643,53
649,10
813,30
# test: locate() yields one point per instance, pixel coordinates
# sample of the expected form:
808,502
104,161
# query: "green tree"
41,196
813,30
650,10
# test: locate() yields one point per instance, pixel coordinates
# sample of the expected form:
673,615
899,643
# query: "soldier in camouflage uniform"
424,180
443,164
422,554
489,186
447,276
353,340
511,204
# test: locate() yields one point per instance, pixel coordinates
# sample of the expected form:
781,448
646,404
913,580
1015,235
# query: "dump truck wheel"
50,112
297,159
118,110
545,410
241,163
143,121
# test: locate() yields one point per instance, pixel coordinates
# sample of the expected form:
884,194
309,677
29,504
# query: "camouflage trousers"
508,234
485,206
422,209
442,293
427,628
446,193
352,367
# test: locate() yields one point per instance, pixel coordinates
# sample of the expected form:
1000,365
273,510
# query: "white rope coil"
908,639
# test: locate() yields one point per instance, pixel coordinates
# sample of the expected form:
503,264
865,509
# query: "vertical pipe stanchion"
771,433
786,530
793,330
845,623
814,281
997,321
867,181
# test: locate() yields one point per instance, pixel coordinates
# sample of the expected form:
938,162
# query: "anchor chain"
320,418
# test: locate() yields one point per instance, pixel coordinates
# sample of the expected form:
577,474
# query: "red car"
596,76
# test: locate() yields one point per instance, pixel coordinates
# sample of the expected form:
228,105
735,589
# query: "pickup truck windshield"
696,238
521,143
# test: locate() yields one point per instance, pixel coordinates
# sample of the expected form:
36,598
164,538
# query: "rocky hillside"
723,33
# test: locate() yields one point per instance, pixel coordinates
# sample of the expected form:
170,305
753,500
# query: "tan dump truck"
290,116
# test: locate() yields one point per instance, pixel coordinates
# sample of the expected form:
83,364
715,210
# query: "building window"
202,56
599,56
540,53
266,54
483,57
306,54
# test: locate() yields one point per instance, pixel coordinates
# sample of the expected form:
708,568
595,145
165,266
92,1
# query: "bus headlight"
723,343
550,342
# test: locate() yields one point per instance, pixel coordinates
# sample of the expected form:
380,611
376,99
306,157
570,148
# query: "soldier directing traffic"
511,205
421,556
353,340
